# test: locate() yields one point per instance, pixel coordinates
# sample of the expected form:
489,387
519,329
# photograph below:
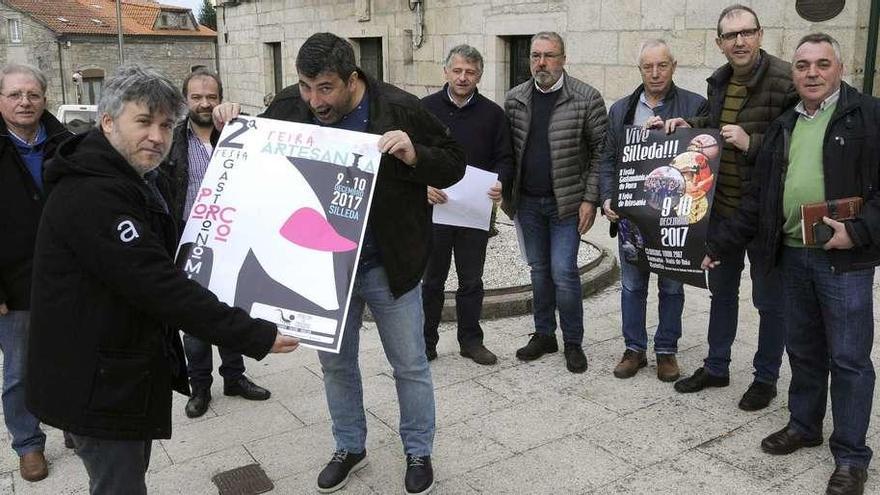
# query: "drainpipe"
871,50
61,72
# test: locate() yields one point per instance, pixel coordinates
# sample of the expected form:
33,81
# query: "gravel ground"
505,266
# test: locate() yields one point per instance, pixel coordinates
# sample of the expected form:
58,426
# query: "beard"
201,119
545,78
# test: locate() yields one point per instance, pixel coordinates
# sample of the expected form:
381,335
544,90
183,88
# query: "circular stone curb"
516,301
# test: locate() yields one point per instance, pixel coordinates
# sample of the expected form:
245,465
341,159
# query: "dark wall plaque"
819,10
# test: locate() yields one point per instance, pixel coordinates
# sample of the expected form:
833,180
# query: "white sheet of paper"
468,203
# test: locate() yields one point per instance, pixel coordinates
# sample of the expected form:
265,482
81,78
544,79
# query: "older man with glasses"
28,136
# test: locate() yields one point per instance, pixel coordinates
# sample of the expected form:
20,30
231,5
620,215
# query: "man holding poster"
745,95
417,152
656,96
479,125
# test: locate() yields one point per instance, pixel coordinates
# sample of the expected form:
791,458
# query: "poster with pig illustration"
277,224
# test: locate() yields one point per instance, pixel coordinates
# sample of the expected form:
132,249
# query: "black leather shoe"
758,396
431,353
340,468
246,389
786,441
847,480
419,475
538,346
700,380
197,405
479,354
68,441
575,360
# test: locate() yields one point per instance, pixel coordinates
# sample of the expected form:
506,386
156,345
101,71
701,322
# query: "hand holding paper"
467,203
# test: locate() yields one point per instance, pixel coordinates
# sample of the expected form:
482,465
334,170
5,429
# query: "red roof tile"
99,17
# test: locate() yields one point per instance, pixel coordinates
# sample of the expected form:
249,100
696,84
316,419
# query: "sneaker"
341,466
575,360
419,474
667,368
758,396
630,364
538,345
699,380
479,354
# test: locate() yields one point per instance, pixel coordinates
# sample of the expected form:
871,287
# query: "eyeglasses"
549,56
746,34
661,67
18,96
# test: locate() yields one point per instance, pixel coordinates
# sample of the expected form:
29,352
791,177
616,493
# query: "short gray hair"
550,36
821,38
653,43
467,52
136,83
29,70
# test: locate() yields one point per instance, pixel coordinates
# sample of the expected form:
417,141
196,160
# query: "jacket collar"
633,100
524,93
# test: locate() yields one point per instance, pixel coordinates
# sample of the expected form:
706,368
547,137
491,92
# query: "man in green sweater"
823,149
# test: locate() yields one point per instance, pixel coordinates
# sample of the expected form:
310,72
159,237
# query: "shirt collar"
644,99
831,100
38,138
553,88
451,99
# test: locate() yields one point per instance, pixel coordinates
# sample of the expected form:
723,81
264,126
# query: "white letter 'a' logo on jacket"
127,231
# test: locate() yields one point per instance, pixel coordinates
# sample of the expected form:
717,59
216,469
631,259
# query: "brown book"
837,209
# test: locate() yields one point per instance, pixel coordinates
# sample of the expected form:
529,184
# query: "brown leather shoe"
630,364
667,368
33,467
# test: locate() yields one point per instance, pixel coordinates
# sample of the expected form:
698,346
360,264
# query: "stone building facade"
66,37
258,40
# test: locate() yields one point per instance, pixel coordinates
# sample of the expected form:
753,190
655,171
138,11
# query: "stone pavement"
529,428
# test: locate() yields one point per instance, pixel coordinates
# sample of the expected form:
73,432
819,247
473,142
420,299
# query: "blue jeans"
400,323
830,324
724,315
633,305
551,247
200,363
22,425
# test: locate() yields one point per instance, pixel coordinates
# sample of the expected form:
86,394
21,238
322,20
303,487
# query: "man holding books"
823,150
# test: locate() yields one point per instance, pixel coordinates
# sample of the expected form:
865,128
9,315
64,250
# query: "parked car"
78,118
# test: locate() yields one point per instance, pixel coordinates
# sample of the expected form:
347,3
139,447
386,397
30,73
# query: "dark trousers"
469,246
114,466
199,363
724,316
830,323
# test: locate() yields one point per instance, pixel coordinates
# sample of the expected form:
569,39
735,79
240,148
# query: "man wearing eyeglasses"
28,136
558,130
191,150
745,95
657,98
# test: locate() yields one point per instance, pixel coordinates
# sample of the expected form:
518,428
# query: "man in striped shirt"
193,143
745,95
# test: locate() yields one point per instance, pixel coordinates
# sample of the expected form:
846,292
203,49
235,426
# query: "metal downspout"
871,50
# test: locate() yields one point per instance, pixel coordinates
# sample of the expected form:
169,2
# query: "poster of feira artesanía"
666,184
277,224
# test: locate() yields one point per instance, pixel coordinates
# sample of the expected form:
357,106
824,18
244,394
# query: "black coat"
851,164
399,215
104,354
21,203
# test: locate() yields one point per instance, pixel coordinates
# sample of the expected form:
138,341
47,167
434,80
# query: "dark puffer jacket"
769,92
577,135
21,203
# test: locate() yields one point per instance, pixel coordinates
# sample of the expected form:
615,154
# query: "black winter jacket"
399,215
104,352
21,204
851,163
769,92
176,167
